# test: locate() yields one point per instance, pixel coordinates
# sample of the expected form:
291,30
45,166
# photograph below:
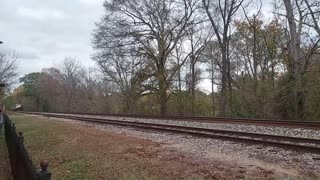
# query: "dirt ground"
4,161
84,152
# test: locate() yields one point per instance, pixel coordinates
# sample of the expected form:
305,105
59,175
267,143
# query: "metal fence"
22,167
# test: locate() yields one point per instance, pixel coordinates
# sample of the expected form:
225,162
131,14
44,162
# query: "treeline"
152,55
73,88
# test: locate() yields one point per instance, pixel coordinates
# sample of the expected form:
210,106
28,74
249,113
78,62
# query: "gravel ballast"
281,131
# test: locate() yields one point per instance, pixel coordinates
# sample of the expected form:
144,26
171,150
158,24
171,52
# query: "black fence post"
44,174
21,164
21,138
15,151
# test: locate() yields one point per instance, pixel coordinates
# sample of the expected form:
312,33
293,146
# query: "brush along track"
263,122
292,143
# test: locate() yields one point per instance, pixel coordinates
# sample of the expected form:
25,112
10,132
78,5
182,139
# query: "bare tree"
50,89
88,91
257,53
150,28
221,14
8,66
198,37
212,59
254,23
127,72
177,54
314,13
71,72
297,16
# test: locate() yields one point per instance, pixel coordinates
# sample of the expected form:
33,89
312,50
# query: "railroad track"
288,142
263,122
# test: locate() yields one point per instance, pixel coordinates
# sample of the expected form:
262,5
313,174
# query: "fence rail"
22,167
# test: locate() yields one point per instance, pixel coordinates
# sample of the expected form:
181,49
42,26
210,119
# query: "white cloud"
64,45
40,14
92,2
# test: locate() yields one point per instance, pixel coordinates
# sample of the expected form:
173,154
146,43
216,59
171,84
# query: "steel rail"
293,143
287,123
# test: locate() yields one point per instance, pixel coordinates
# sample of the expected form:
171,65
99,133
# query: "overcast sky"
43,32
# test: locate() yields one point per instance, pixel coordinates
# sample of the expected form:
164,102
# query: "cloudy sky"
43,33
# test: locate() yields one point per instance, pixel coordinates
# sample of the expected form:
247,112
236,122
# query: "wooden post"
44,174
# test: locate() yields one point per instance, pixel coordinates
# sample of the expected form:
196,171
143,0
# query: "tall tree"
127,72
151,28
297,17
198,38
257,51
212,59
71,71
178,55
221,13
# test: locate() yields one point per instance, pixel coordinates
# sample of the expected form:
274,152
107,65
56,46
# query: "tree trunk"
272,77
295,51
69,104
212,89
193,79
255,65
127,103
38,104
229,81
163,94
180,105
223,98
163,103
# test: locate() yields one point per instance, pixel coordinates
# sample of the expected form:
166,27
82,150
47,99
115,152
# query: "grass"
42,142
78,169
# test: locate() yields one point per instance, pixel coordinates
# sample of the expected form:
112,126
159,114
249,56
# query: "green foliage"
312,95
284,97
29,95
30,82
203,106
240,108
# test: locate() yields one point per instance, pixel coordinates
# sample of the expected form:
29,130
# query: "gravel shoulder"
126,152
